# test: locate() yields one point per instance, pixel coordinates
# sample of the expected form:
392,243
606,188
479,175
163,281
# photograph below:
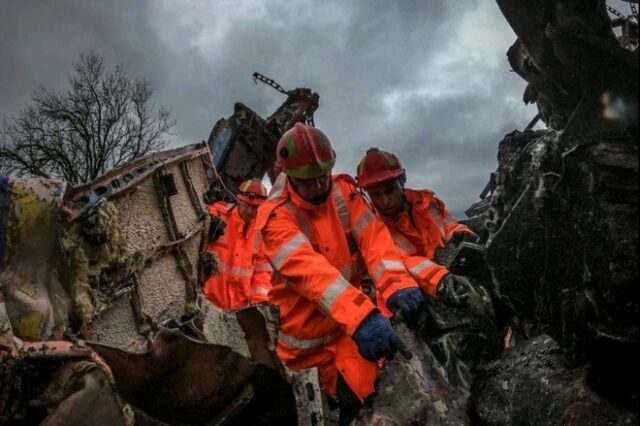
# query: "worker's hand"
453,289
376,339
407,302
216,227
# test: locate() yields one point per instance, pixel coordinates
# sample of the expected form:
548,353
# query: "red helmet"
252,192
304,152
377,167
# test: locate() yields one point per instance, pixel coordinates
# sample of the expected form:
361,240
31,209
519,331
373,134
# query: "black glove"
216,227
406,301
376,339
453,289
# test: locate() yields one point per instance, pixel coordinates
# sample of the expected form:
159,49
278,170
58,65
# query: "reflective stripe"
346,272
341,207
278,187
303,223
260,290
435,214
460,227
234,270
307,343
263,267
362,223
417,269
288,248
401,241
386,264
331,293
257,240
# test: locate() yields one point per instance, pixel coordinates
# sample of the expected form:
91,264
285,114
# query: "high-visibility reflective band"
341,207
346,272
401,241
362,223
386,264
417,269
263,267
257,240
459,227
288,248
307,343
277,187
302,221
435,214
260,290
331,293
234,270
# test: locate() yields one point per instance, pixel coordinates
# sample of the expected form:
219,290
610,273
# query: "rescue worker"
244,276
418,221
317,228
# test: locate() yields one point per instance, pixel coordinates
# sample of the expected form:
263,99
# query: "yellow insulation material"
97,257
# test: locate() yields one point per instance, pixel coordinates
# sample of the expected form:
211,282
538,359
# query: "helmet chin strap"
405,204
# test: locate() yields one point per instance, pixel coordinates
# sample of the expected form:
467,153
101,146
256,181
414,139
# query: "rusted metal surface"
56,383
124,179
120,258
243,145
181,379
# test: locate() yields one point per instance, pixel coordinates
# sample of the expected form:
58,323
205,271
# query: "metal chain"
634,11
268,81
615,12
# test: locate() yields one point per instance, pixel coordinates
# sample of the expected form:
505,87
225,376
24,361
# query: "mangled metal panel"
55,383
133,241
244,145
36,302
120,263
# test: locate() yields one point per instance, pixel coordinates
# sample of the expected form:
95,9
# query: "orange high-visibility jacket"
314,251
432,227
245,274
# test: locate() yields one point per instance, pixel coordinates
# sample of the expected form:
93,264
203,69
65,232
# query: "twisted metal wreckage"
101,316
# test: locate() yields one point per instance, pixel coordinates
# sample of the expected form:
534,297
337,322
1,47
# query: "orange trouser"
339,355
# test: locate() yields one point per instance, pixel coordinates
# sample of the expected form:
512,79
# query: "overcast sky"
428,81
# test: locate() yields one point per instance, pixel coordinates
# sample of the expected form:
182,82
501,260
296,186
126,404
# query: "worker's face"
315,190
246,211
387,197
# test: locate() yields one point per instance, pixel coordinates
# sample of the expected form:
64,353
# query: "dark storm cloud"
40,40
428,80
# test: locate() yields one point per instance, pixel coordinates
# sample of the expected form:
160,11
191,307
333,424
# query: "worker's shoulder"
346,182
344,178
424,192
221,207
277,198
423,198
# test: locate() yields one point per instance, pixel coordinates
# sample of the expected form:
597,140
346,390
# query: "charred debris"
101,319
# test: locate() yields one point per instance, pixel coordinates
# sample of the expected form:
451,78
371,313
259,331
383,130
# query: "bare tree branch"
102,121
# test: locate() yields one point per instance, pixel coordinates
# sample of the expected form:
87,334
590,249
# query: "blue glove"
407,301
376,339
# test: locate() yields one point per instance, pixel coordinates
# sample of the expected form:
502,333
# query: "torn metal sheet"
184,380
